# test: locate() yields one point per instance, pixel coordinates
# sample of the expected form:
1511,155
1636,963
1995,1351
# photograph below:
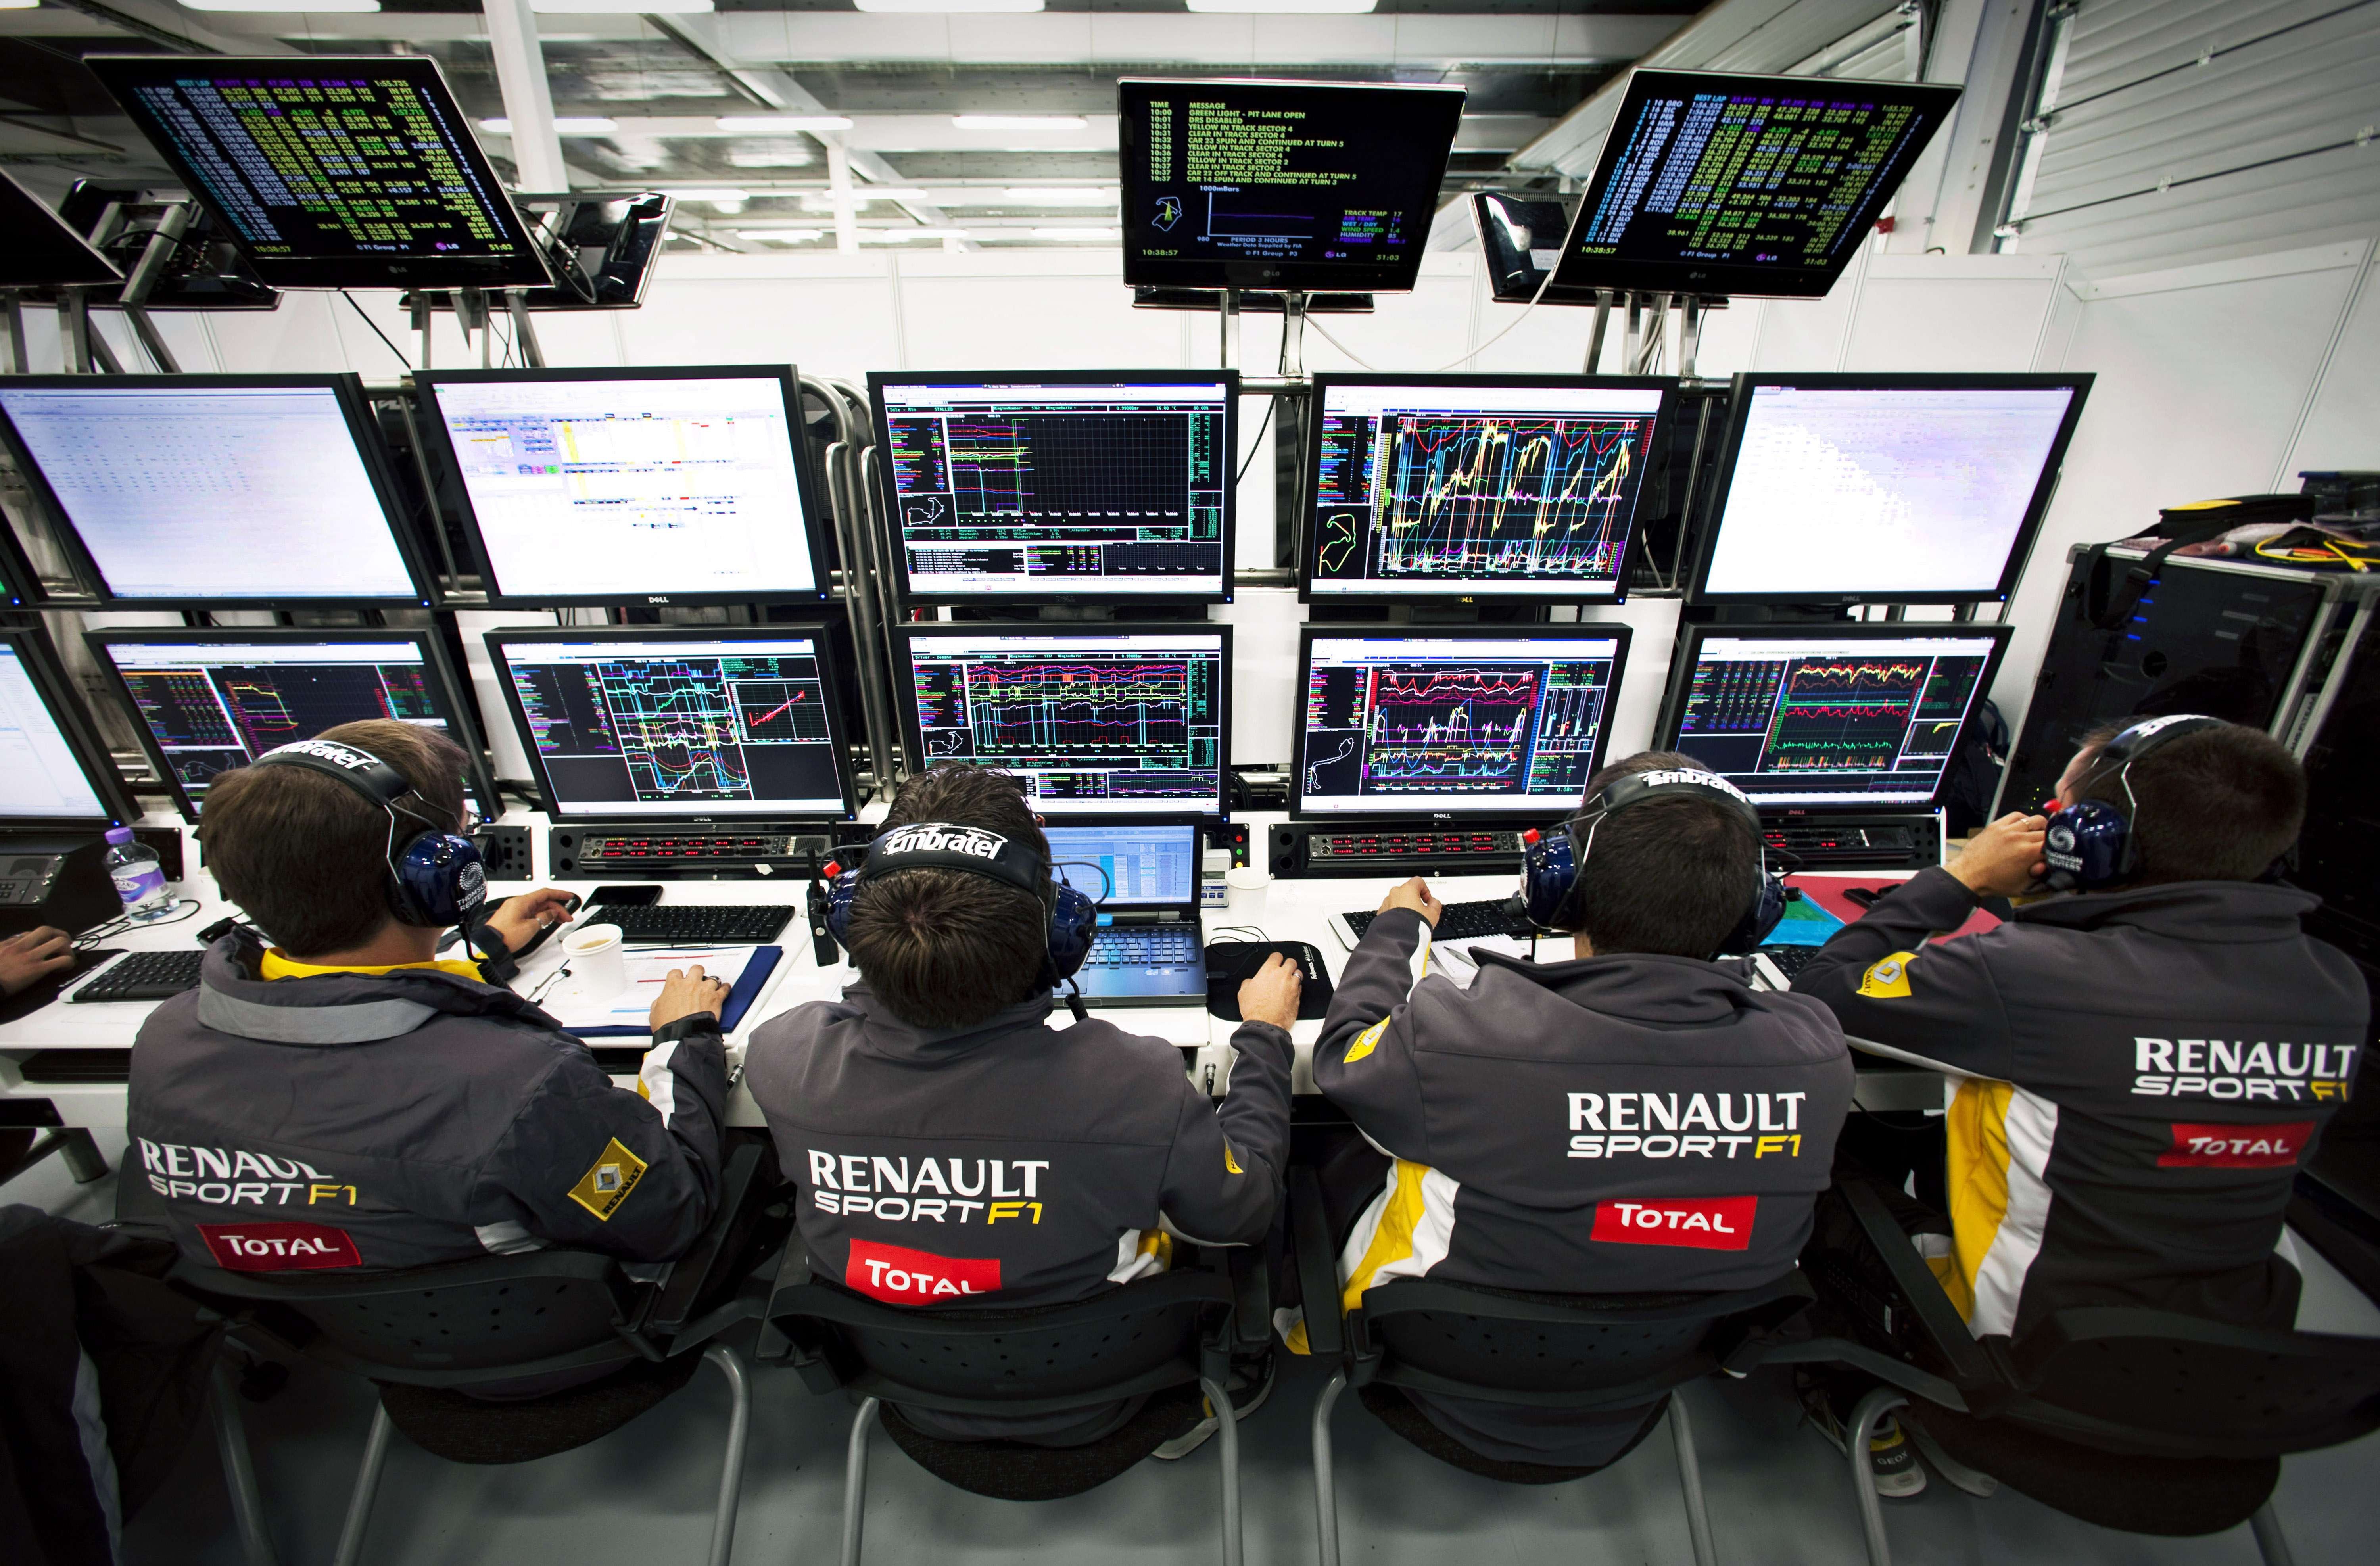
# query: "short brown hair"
1672,875
306,855
949,948
2214,805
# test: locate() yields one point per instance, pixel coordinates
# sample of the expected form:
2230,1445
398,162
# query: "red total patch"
278,1247
2237,1146
900,1276
1702,1223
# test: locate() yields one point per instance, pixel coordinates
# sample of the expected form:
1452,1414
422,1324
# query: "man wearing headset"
1636,1118
340,1097
953,1147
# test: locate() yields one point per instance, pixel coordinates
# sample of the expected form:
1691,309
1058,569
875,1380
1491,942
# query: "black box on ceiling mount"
1252,302
206,270
609,241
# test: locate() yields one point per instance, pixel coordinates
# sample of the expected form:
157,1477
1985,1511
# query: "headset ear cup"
839,893
2088,845
437,879
1760,921
1073,920
1548,877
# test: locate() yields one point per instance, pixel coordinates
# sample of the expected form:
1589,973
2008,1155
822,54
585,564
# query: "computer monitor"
1281,184
1127,864
1469,721
1884,489
1125,719
334,171
41,249
678,726
209,702
54,770
1521,240
216,490
1106,485
634,485
1755,184
1841,716
1477,486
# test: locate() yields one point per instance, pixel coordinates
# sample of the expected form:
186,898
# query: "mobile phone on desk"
626,896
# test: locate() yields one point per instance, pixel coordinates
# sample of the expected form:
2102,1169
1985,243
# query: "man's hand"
34,955
2004,859
1270,994
688,993
519,920
1414,895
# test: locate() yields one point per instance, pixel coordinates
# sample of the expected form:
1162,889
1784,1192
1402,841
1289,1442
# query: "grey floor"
1777,1494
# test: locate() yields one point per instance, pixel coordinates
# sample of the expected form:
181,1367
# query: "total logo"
1701,1223
2237,1146
900,1276
278,1247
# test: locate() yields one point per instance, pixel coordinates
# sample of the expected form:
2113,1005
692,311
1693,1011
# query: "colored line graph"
676,726
1439,725
779,711
1843,714
1490,496
1132,707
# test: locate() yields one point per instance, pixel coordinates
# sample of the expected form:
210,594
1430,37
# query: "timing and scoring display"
1832,720
1092,723
678,727
1280,185
1477,487
1719,184
1033,487
1495,724
40,779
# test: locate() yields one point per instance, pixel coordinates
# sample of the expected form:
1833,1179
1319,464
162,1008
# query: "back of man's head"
949,948
305,856
2212,804
1673,875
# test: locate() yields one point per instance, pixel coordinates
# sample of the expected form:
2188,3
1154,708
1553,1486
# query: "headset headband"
359,770
946,845
435,876
2143,737
1630,788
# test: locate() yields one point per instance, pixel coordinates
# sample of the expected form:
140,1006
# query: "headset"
435,876
1551,860
2090,842
1073,915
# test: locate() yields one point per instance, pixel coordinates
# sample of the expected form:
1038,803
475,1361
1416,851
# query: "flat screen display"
199,489
1280,184
41,777
1827,717
1496,722
1477,486
1758,185
1022,487
43,250
663,486
1128,721
1127,866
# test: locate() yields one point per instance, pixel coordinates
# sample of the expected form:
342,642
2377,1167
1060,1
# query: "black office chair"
1526,1350
612,1347
1172,1337
2144,1421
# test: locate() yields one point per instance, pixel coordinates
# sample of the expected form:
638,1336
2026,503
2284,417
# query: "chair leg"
239,1471
1690,1479
854,1482
2270,1542
360,1505
1871,1408
1227,1425
730,1472
1326,1496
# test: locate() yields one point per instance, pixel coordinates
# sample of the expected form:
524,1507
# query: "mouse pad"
1229,963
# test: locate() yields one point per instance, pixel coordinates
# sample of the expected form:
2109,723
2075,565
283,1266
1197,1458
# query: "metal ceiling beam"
169,25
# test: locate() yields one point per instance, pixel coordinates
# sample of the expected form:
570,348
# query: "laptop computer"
1149,950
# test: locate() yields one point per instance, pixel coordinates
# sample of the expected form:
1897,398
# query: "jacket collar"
337,1008
886,1034
2225,911
1636,986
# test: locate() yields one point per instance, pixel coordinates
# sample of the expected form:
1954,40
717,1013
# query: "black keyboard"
1460,921
695,924
1143,949
1791,960
145,975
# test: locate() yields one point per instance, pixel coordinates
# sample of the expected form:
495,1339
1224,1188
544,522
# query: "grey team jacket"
1011,1160
2149,1069
361,1121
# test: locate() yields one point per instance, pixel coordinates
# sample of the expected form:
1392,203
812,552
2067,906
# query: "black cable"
1256,445
121,925
384,337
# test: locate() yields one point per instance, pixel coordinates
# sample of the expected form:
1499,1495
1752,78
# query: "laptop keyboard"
1143,949
1459,921
1790,960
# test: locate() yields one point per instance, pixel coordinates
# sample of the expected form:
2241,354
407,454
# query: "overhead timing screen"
1714,184
1280,185
1020,490
1477,487
334,173
1493,724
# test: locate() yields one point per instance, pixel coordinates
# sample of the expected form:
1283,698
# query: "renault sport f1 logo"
941,837
1702,1223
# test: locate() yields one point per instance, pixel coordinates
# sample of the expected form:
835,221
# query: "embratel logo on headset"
345,756
973,841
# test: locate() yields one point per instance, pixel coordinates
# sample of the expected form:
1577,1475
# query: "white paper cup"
1247,883
598,959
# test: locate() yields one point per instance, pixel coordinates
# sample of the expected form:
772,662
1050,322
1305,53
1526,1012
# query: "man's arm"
1888,986
1363,1061
1223,1178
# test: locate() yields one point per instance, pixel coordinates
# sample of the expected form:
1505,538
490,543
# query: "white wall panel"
1809,334
1952,314
2342,426
1068,312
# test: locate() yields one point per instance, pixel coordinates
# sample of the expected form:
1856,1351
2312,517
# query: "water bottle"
139,880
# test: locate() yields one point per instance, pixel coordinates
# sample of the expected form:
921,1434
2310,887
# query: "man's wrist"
686,1028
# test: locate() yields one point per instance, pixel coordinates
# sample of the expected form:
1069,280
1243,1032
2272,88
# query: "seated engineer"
956,1150
2146,1060
1637,1119
341,1099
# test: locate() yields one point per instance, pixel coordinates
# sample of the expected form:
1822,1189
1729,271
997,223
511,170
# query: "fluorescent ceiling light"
1110,235
772,125
586,127
1020,122
736,198
29,4
780,236
913,6
1284,7
324,6
823,198
613,8
1059,196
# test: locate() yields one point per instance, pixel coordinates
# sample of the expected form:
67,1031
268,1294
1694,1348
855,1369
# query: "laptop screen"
1126,866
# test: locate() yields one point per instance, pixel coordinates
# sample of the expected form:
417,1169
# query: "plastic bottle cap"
1531,835
119,834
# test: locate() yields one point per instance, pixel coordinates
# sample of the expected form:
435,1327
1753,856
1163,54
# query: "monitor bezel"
1309,489
443,687
2020,547
39,658
347,393
1691,639
819,633
1519,812
913,743
1736,279
888,504
1309,277
530,270
806,482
